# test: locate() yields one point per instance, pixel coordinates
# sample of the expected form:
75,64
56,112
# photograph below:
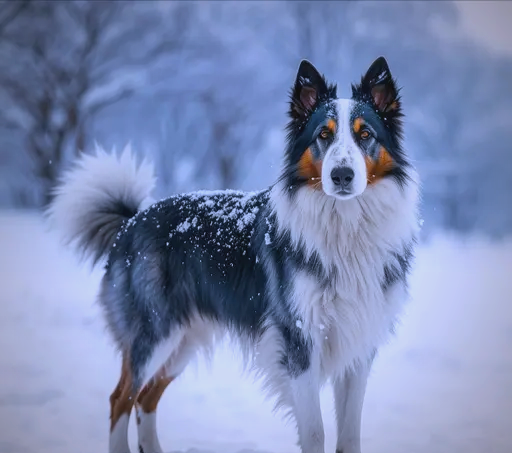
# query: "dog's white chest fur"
344,322
350,315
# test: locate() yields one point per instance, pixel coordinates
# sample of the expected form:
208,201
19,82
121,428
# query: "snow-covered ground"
443,385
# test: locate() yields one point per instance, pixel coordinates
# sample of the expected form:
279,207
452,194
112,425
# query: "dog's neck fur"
383,218
350,313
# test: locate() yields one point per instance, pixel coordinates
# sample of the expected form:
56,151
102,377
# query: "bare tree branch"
10,11
16,90
9,123
57,72
106,101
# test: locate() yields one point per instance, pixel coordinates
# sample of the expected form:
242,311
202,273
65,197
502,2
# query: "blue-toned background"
201,88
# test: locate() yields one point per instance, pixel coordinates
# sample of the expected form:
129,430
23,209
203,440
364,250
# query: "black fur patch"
282,260
399,271
213,253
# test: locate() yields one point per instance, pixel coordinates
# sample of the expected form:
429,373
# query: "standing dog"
308,275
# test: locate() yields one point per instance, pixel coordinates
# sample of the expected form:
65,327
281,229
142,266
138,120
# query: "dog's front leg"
349,393
305,392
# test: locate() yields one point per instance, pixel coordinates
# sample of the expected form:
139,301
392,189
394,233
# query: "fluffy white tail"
94,198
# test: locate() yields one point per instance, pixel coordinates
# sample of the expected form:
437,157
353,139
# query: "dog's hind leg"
126,393
145,406
121,404
149,397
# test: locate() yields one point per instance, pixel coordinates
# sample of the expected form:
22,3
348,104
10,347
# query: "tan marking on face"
358,124
121,399
377,169
331,125
311,169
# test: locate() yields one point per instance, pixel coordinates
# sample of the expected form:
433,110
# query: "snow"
220,205
443,385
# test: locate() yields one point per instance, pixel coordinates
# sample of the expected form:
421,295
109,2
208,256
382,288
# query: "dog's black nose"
342,176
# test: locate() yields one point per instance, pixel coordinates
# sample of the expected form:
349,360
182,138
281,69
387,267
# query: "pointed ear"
379,84
309,87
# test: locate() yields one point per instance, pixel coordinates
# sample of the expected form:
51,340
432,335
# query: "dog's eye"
325,134
365,135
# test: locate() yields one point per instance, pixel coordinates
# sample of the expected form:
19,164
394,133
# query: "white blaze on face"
344,152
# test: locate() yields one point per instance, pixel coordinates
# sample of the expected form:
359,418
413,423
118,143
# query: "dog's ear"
380,86
309,88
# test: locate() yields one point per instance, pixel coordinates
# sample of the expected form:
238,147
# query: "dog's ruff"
308,276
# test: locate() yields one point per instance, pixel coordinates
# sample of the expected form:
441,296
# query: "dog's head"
343,146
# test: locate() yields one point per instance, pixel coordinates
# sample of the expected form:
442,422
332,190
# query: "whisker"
317,184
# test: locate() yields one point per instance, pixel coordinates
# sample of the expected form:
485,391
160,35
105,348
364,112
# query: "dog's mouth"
343,194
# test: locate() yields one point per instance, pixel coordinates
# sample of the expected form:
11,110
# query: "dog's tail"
93,199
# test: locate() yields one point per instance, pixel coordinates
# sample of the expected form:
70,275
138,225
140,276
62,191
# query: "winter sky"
488,23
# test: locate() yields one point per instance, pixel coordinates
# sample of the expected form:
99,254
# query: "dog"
308,276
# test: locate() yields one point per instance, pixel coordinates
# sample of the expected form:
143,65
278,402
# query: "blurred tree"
96,54
222,106
205,84
9,10
458,124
